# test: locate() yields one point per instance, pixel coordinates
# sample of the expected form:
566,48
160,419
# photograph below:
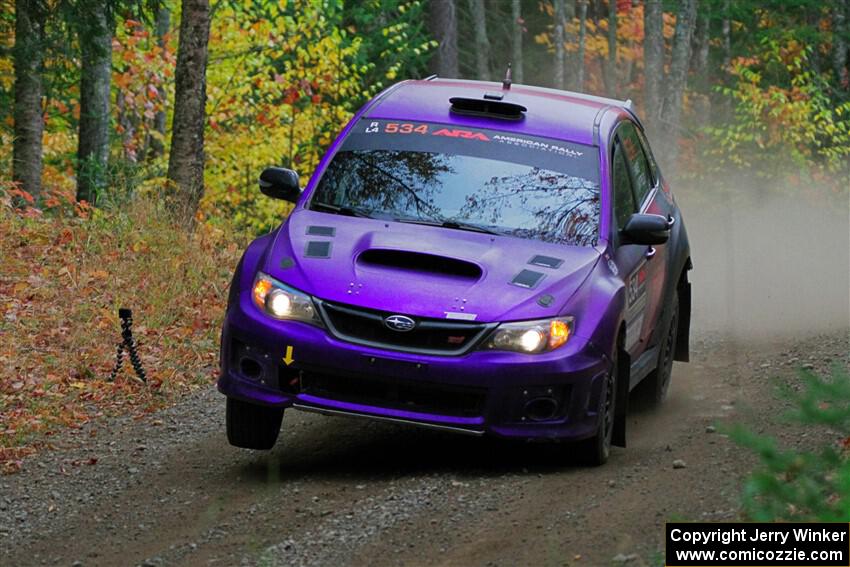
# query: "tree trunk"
653,58
443,23
610,75
699,64
28,115
163,25
678,77
726,47
839,47
559,44
516,43
582,35
95,33
127,123
699,56
482,44
186,160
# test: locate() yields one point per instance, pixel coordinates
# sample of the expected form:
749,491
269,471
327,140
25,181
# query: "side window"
636,159
653,166
624,199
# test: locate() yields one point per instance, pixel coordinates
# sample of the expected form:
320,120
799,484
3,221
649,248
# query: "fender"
607,328
254,257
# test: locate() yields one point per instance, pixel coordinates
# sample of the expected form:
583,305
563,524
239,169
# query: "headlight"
531,336
283,302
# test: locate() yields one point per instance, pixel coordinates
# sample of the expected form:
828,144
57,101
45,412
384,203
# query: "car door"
649,200
630,259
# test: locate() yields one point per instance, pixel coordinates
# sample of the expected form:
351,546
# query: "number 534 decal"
405,128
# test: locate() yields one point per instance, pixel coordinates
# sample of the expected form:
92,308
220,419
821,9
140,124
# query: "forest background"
132,134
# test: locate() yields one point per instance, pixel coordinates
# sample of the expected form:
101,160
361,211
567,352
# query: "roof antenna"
506,83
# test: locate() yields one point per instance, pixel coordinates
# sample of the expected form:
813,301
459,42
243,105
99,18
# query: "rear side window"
633,150
624,199
653,166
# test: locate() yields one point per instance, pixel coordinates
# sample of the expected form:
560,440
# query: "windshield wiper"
449,224
340,210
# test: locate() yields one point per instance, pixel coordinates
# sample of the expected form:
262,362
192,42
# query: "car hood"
422,270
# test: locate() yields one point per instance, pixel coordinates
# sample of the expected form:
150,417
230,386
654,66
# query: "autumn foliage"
63,280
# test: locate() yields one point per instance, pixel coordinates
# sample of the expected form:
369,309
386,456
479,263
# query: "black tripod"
128,343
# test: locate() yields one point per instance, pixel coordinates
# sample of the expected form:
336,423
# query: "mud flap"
682,352
624,362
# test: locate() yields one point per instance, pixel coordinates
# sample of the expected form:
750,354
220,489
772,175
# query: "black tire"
596,450
656,385
251,426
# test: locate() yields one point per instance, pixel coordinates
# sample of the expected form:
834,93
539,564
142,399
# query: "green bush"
807,484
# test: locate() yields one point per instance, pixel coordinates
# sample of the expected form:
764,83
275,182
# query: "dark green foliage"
396,43
811,484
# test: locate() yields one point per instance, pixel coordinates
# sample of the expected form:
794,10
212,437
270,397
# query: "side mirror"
645,229
280,183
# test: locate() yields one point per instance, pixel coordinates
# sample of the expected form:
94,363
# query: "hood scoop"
419,263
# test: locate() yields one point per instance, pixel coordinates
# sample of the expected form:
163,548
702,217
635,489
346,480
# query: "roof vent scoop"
486,107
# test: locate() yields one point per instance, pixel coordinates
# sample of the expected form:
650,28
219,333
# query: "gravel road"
169,490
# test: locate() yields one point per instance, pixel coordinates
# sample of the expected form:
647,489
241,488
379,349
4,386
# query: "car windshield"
480,180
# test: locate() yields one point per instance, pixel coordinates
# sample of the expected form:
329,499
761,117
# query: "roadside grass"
62,280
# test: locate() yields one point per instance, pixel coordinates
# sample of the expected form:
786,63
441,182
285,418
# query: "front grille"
430,336
385,393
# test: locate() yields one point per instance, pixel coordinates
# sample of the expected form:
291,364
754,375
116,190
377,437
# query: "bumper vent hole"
250,368
541,409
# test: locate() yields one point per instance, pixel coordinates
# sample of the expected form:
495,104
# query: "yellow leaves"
793,117
275,96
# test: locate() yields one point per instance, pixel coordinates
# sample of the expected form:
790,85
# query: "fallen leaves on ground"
61,284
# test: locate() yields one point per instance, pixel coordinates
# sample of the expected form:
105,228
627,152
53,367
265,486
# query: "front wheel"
251,426
596,450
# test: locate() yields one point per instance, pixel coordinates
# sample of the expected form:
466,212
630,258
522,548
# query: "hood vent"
318,249
420,263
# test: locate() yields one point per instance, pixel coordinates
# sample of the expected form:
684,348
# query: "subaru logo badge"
399,323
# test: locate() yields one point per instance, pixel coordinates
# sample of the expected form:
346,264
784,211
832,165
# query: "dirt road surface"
168,490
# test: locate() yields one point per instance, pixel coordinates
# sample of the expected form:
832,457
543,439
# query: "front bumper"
479,392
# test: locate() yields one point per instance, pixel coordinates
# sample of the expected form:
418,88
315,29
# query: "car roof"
550,113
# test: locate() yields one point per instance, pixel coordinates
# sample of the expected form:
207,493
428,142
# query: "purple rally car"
476,257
